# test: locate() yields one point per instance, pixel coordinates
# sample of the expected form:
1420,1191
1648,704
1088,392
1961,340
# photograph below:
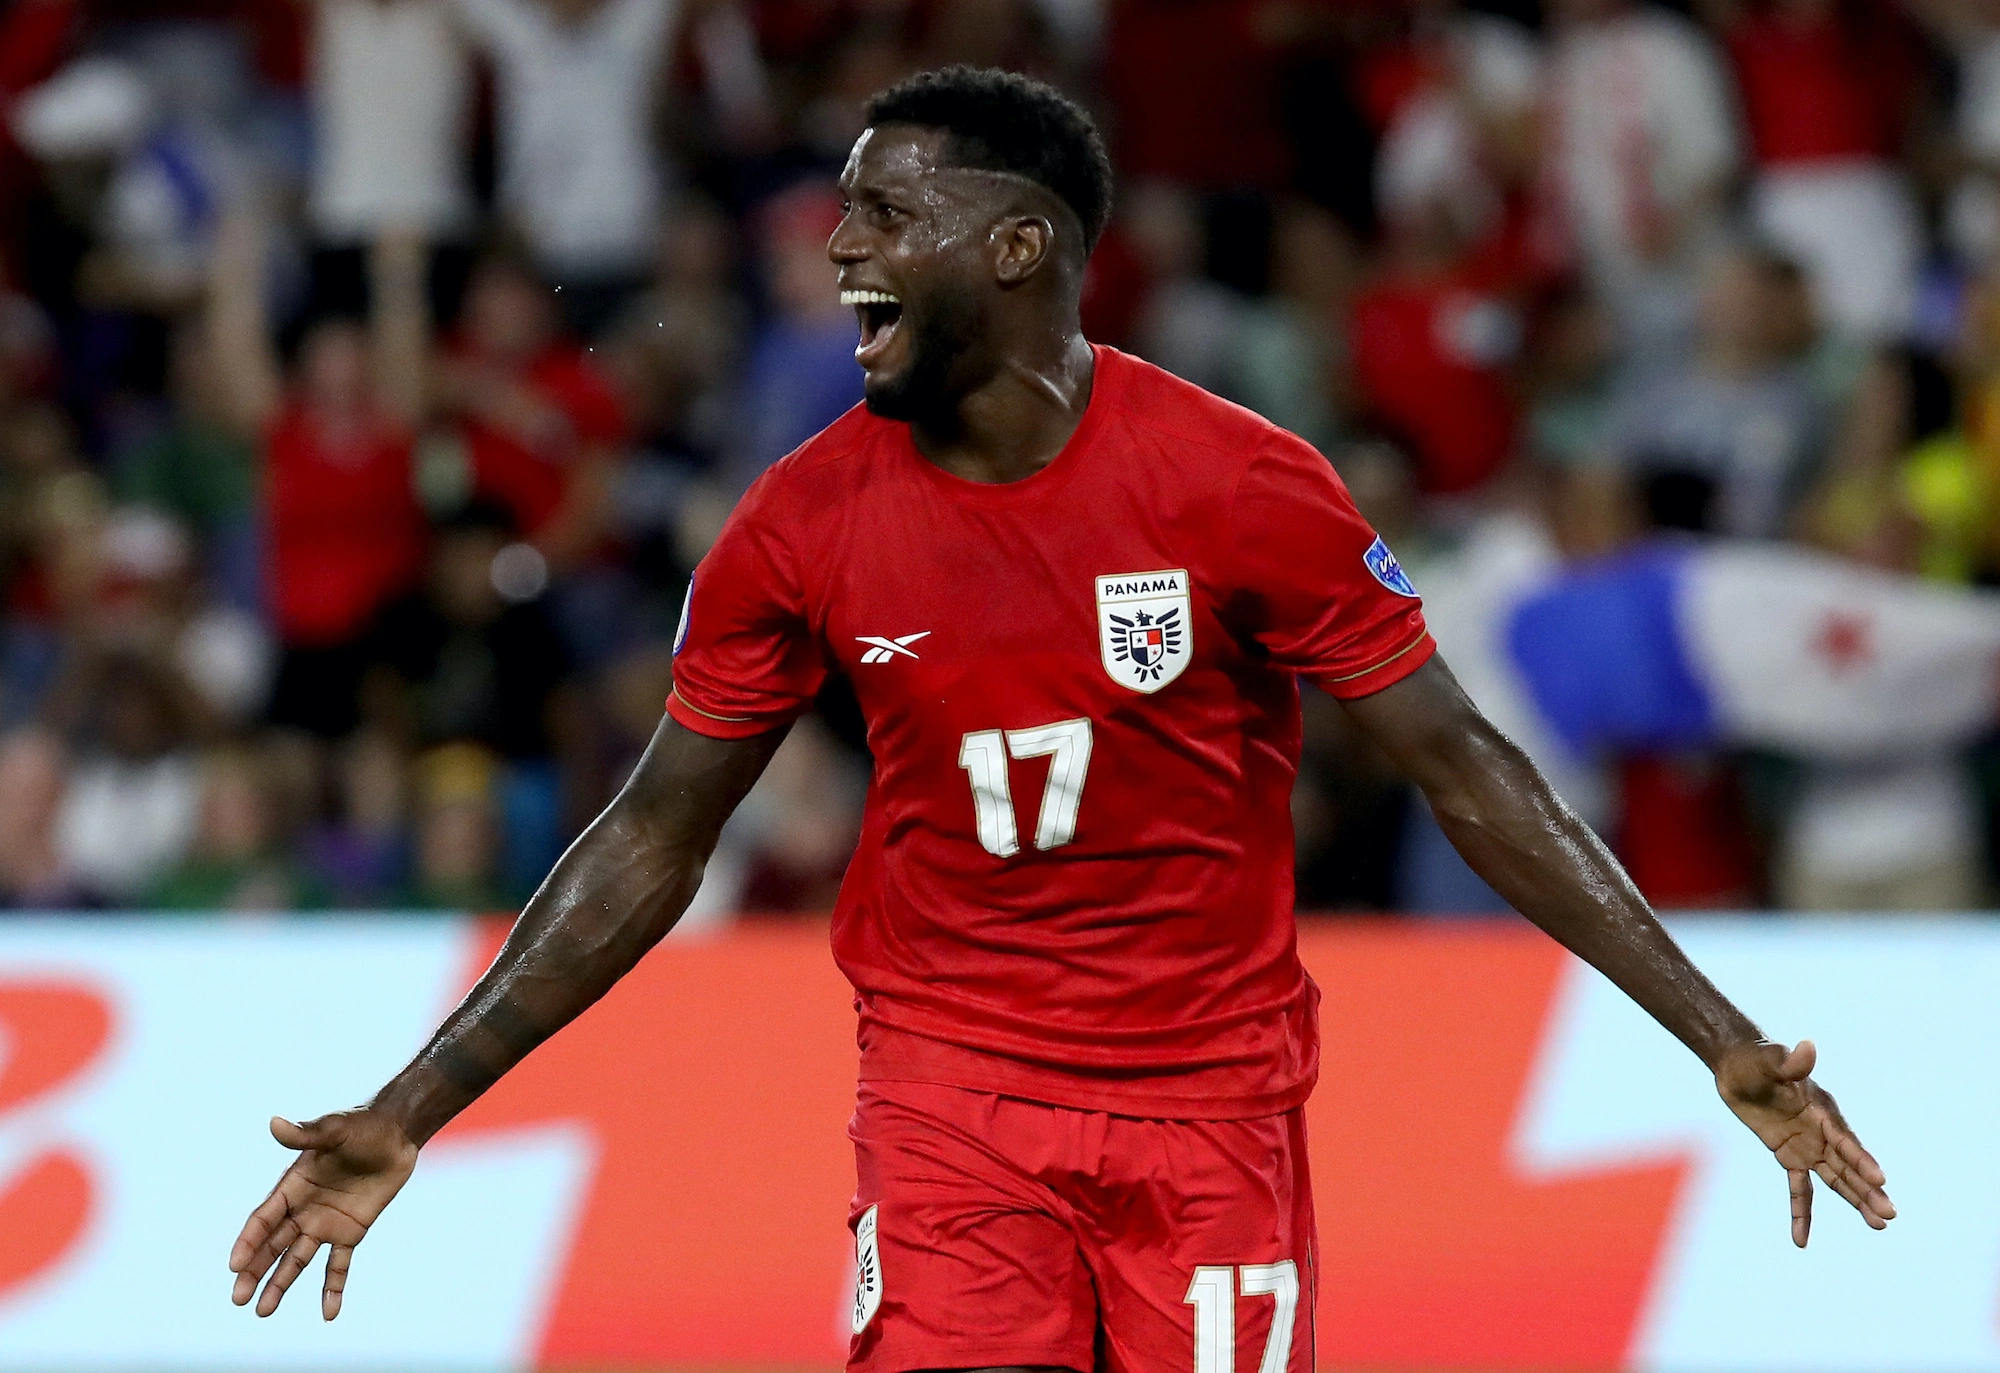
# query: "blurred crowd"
372,373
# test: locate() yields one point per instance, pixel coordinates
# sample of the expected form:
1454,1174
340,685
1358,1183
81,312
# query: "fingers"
286,1273
1798,1064
261,1258
1872,1202
1801,1185
1862,1176
1843,1185
1855,1188
338,1260
1858,1158
257,1229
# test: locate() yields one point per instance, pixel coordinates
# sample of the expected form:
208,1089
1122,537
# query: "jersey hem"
892,1055
1133,1107
917,1357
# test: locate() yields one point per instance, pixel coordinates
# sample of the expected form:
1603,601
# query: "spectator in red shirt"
542,425
343,531
1826,88
34,35
1434,337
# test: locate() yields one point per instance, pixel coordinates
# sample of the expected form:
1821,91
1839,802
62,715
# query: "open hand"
350,1166
1772,1091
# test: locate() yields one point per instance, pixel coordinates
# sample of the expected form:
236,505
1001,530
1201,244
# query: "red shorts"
991,1231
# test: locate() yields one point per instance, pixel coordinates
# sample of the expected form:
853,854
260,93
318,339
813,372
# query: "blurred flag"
1750,644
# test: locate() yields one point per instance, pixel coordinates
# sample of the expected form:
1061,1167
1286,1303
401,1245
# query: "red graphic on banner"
1436,1251
43,1210
50,1032
718,1079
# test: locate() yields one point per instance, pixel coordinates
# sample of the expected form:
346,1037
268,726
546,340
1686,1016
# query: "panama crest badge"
1145,628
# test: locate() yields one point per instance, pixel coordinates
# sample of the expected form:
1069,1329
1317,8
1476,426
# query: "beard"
944,338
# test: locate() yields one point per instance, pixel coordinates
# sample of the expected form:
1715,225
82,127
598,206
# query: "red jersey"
1833,90
344,531
1428,358
1074,881
532,479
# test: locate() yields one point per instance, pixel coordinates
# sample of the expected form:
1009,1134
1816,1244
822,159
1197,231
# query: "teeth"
868,298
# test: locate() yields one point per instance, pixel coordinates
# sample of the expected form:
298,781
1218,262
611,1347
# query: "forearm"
238,332
612,897
1532,849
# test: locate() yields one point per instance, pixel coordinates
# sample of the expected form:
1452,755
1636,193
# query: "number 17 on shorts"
1213,1294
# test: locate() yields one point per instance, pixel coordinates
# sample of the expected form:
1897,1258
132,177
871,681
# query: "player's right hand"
350,1166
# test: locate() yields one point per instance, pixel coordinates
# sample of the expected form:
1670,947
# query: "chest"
1015,616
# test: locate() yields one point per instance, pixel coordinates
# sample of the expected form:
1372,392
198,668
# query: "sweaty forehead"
909,162
893,154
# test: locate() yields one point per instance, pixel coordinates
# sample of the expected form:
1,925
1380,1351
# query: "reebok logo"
881,650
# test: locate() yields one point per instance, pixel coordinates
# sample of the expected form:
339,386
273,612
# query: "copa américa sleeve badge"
1382,565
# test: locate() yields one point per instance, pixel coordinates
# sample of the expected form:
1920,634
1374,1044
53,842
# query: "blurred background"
372,374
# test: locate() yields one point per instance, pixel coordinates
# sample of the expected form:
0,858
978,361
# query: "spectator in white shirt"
1641,145
389,91
579,175
1970,31
129,811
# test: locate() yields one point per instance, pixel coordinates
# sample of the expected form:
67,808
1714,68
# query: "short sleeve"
745,660
1313,585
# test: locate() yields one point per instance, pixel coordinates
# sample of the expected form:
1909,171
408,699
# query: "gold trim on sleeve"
1417,642
710,715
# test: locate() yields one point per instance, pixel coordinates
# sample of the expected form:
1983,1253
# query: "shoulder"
1150,402
822,470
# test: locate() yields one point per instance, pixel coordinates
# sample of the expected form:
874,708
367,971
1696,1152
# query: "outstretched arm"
399,324
239,333
617,891
1532,849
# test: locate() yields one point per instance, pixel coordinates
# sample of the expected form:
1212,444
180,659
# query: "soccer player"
1074,596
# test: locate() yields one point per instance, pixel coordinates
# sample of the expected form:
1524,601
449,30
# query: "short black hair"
1000,121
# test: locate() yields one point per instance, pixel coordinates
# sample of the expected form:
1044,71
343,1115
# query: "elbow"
1483,785
1460,813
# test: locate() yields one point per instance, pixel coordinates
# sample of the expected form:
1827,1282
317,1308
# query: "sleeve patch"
1384,568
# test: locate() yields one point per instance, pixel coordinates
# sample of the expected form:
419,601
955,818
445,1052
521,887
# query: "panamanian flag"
1698,644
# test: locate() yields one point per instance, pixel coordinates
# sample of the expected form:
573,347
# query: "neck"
1014,423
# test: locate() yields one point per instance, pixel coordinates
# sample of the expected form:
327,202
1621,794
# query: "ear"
1025,243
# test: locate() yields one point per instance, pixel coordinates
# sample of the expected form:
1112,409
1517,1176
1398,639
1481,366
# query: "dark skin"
985,269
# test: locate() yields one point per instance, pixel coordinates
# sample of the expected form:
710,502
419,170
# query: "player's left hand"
351,1164
1771,1090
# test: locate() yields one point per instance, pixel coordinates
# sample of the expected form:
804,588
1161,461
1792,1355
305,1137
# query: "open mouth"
879,314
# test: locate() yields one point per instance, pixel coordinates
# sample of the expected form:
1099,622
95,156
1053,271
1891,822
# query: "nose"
846,243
